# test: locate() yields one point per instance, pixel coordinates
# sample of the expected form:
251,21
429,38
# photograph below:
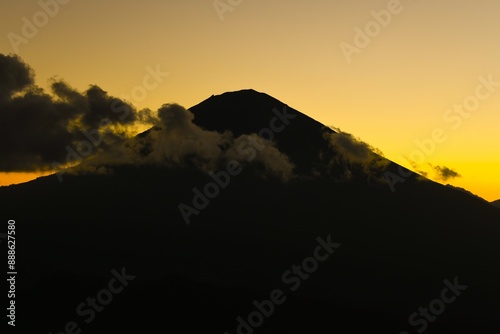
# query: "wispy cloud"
354,155
444,173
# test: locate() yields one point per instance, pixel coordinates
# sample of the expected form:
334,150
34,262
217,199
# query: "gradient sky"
394,91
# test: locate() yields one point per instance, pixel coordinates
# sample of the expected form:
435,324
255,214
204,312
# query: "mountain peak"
245,111
241,93
245,229
249,111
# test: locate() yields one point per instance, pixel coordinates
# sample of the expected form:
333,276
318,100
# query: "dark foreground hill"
330,249
496,203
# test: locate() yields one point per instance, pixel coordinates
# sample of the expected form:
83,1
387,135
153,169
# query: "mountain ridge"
396,248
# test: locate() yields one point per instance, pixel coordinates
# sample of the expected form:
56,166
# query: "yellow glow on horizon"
394,92
7,179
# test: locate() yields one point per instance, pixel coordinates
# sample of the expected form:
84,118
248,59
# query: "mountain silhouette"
496,203
388,253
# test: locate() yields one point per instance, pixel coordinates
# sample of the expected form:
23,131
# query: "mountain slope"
396,248
247,111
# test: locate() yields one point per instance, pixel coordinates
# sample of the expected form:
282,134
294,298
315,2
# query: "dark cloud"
253,149
444,173
146,116
422,173
175,140
93,131
351,148
356,157
15,75
176,136
38,129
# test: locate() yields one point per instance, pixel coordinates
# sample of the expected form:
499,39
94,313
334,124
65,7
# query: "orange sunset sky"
391,83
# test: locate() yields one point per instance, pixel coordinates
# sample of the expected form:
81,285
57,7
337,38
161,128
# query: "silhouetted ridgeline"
258,236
